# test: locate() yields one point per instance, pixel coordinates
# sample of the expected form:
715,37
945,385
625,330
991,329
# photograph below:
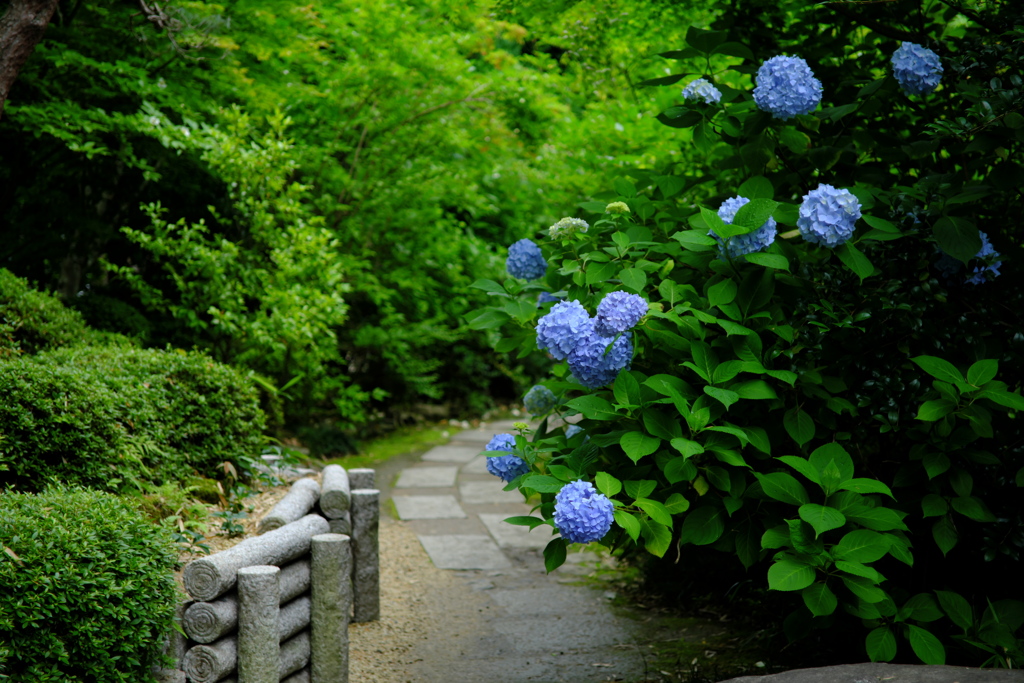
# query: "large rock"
878,672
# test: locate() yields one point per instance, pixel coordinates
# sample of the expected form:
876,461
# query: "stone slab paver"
474,437
485,433
460,454
511,536
428,507
544,599
571,633
487,492
464,552
465,526
476,466
427,477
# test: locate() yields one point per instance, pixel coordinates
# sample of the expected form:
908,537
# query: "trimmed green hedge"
33,321
60,424
87,586
98,416
103,312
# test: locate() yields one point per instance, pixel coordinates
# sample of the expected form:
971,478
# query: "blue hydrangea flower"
827,216
948,266
507,467
743,244
594,368
917,69
618,312
573,430
547,297
700,89
525,261
786,86
568,227
501,442
989,254
582,514
539,400
561,328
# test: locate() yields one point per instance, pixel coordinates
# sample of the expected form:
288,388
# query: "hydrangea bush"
917,69
506,467
786,86
740,245
582,514
539,400
703,91
828,216
830,409
525,260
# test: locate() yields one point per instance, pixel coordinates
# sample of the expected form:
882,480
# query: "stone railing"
276,607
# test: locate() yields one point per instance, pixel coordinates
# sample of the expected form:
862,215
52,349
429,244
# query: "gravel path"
510,622
385,651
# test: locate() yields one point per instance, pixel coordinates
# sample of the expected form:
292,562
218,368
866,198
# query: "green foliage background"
308,191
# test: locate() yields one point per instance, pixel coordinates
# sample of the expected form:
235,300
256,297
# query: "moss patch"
701,650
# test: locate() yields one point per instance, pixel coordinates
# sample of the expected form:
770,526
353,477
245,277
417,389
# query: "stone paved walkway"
456,507
513,622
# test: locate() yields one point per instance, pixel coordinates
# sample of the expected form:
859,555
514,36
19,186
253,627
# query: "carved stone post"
332,604
259,606
365,559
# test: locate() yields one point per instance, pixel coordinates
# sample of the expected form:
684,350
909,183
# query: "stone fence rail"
276,607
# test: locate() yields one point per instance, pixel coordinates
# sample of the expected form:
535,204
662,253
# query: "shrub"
104,312
88,587
32,321
184,402
837,409
755,420
60,424
101,416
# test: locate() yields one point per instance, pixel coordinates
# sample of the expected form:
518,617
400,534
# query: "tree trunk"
21,27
